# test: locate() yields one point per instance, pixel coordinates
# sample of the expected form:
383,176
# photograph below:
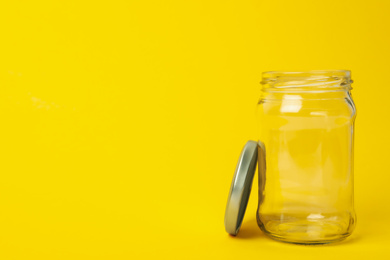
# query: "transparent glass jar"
305,156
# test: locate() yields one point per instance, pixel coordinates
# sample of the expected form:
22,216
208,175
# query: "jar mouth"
314,80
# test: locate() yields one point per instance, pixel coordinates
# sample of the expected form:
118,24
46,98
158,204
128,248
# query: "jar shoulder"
298,105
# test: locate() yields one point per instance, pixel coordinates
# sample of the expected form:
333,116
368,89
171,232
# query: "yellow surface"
121,122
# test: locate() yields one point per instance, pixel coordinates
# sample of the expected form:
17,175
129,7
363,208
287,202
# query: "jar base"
306,232
305,242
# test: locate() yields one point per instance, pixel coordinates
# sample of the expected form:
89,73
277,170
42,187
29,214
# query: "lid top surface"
241,187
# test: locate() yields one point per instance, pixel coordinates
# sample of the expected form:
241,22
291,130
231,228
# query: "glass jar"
305,156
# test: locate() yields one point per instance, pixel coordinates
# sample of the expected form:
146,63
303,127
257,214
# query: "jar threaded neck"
302,81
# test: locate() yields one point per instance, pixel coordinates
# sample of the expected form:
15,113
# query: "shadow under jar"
305,156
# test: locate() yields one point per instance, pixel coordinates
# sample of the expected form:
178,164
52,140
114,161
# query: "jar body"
306,165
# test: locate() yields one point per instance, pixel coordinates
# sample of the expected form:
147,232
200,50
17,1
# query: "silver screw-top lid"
241,187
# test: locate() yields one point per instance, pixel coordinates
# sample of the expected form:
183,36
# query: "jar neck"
306,82
305,95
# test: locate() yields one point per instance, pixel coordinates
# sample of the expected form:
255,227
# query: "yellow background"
122,121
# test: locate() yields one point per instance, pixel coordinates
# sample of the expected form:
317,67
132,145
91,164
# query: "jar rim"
326,80
274,73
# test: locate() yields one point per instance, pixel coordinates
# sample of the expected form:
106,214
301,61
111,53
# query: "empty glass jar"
305,156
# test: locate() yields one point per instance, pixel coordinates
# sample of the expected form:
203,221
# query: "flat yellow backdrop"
122,121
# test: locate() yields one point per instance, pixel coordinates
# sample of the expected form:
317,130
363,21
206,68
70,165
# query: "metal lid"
241,188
